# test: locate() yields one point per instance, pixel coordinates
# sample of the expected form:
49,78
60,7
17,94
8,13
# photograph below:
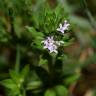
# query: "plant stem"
51,66
24,93
17,65
91,18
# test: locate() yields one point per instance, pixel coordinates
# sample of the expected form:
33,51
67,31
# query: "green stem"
17,65
51,65
24,93
91,18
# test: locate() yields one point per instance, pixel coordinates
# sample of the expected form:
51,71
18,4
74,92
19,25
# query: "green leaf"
24,72
13,92
61,90
37,43
34,33
34,85
50,92
14,76
71,79
9,83
37,36
43,61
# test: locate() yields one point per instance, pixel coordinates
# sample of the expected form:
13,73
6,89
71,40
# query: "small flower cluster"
53,45
64,27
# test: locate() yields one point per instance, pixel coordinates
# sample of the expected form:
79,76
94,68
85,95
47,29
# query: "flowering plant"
36,36
50,44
